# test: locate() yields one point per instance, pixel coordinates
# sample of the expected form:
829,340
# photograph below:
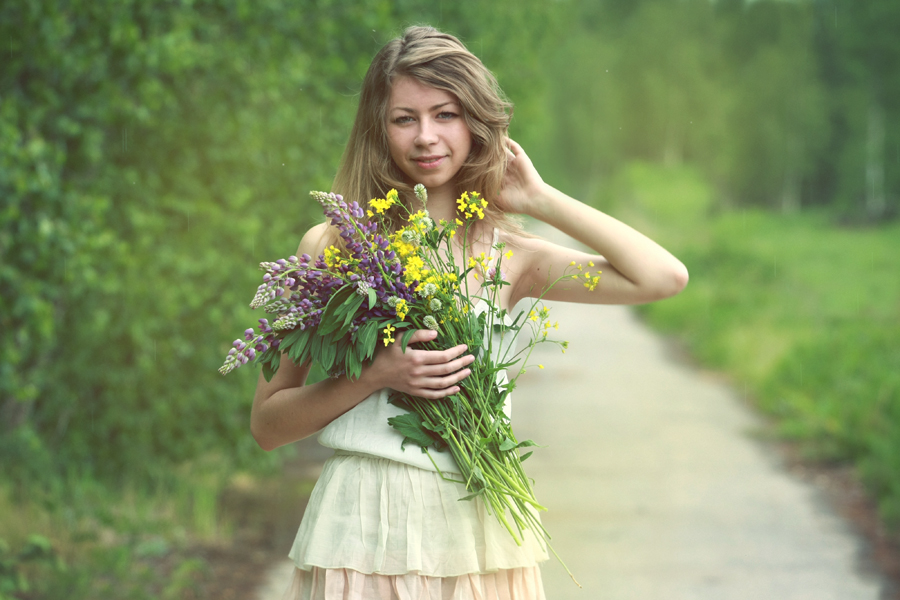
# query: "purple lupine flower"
311,282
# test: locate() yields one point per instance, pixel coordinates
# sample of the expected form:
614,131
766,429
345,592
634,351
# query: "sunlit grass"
131,540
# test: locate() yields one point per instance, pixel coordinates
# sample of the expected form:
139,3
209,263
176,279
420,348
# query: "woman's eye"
403,119
447,115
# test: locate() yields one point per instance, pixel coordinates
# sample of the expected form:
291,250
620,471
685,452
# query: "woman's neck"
441,205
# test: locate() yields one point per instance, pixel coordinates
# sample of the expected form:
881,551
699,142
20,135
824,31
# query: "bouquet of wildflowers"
337,309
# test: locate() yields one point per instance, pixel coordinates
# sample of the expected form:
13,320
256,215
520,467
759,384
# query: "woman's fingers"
442,367
421,335
432,374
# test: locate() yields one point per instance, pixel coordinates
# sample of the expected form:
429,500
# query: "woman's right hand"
430,374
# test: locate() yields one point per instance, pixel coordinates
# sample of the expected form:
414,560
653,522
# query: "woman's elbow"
679,278
262,434
671,283
262,440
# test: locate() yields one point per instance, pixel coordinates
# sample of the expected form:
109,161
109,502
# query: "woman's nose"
427,133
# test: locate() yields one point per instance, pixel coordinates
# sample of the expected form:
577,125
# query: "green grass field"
802,313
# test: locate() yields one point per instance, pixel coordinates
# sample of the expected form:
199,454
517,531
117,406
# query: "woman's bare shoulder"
317,239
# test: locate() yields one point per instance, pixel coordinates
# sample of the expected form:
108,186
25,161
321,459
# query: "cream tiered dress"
382,524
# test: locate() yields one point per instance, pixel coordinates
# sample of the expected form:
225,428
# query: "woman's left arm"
635,269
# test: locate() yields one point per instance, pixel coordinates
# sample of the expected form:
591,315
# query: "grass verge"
199,534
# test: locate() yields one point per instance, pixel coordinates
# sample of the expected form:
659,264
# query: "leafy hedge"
151,155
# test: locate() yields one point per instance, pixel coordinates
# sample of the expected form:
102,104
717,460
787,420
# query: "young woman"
381,523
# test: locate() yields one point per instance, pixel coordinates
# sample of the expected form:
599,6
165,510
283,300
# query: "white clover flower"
362,288
421,193
431,323
392,301
411,236
435,305
429,289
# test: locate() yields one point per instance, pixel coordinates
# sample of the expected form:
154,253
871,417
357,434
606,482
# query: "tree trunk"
875,204
790,186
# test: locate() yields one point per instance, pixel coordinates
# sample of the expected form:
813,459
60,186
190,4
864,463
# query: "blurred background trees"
152,153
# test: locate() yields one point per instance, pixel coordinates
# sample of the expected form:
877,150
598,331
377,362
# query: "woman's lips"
429,162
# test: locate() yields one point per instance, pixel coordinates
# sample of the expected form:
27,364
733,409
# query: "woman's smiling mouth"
429,162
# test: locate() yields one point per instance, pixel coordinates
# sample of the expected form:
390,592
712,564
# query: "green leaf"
373,298
315,345
411,427
329,320
351,306
326,355
367,338
398,399
508,444
296,350
472,496
525,456
353,364
291,337
269,370
404,339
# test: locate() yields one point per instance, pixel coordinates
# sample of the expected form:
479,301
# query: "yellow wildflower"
401,308
332,257
470,206
388,338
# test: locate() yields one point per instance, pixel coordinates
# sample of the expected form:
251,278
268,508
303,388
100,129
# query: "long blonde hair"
441,61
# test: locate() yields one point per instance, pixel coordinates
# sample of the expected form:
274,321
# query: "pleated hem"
347,584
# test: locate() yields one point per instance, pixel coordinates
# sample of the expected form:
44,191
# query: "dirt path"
656,485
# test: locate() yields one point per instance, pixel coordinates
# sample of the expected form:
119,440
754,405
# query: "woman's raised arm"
635,269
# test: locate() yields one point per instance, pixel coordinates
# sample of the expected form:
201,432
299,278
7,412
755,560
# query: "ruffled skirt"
377,529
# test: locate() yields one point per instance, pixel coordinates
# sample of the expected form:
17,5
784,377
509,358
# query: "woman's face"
427,134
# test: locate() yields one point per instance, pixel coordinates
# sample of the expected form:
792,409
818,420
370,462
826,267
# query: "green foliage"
14,579
860,65
151,155
802,313
779,104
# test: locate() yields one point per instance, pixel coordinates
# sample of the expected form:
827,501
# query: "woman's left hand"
521,182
